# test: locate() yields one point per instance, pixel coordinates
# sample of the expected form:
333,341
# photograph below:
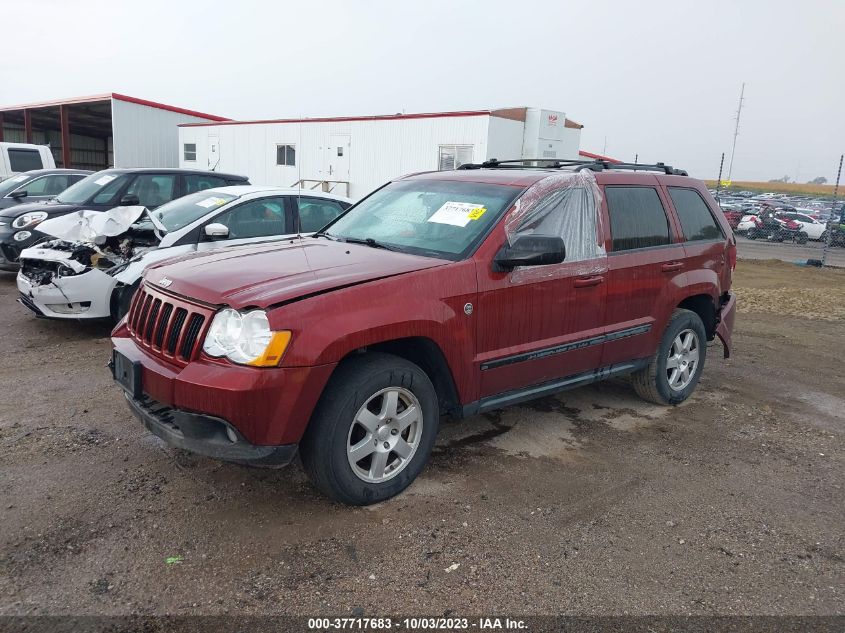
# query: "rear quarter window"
696,219
637,218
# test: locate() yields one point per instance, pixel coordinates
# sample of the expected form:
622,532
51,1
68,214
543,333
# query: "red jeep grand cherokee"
444,293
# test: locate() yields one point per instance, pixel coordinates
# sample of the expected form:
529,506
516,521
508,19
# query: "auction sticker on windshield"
457,213
104,180
211,202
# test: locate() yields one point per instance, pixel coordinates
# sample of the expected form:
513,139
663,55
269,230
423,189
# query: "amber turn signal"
275,350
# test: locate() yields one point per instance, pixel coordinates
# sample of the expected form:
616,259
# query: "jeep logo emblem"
164,282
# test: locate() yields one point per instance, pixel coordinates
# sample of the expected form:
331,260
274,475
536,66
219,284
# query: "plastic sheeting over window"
566,205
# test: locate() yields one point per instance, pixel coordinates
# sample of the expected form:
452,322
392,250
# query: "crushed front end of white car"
72,276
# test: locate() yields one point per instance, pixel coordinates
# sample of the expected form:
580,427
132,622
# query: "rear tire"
380,409
654,382
802,237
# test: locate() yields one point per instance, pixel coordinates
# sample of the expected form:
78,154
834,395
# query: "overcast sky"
658,79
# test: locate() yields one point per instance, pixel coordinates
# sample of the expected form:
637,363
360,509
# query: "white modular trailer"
354,155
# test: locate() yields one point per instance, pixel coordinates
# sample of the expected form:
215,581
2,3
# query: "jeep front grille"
166,326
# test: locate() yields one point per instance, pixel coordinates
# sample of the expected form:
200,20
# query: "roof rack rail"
555,163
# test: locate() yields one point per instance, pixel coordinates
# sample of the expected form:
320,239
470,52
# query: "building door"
337,157
213,151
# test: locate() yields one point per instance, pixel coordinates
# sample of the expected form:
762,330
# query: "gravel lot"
590,502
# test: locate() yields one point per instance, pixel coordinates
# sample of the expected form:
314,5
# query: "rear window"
637,218
696,219
24,159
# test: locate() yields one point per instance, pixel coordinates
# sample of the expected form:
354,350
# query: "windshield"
440,218
9,185
181,212
102,185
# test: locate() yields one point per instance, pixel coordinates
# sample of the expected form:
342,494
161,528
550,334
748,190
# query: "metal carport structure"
100,131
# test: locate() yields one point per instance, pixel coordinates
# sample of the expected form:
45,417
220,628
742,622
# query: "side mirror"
216,231
530,250
17,195
129,200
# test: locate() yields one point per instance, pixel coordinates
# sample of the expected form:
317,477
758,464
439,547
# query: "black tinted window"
24,159
637,218
198,182
696,219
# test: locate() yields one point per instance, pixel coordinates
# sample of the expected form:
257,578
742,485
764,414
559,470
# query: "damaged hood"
277,272
85,225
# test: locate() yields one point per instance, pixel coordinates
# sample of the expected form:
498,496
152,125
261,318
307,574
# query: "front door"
337,158
213,151
539,323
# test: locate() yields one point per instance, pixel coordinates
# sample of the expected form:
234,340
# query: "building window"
190,151
286,155
453,156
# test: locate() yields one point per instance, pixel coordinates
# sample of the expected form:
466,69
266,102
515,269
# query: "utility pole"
736,130
719,181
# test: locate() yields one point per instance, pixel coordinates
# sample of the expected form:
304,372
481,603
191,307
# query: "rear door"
646,267
705,239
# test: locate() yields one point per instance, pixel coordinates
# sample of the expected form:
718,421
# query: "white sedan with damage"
93,267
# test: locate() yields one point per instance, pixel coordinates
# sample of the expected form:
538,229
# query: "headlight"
245,338
28,220
20,236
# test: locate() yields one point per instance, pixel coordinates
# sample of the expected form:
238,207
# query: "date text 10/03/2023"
417,624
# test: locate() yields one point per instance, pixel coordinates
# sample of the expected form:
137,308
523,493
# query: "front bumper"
206,435
727,315
269,407
83,296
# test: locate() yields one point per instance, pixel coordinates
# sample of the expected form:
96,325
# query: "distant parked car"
16,158
814,229
95,266
102,191
38,185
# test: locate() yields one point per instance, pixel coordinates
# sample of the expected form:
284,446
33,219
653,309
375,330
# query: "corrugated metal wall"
378,152
86,152
146,136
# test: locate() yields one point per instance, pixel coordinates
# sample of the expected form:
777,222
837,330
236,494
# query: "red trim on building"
164,106
377,117
117,96
598,156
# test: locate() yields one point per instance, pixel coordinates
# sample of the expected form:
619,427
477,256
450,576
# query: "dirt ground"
590,502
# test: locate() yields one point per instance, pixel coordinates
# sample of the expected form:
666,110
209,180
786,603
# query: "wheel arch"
705,307
425,353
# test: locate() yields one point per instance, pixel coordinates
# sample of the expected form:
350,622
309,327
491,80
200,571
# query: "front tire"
372,432
673,372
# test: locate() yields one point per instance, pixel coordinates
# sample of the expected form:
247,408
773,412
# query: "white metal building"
354,155
110,130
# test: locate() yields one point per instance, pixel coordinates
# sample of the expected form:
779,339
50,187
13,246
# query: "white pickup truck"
16,158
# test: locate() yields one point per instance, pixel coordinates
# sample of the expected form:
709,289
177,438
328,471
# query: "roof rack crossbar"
556,163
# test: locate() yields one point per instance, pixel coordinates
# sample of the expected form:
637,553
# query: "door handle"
585,282
672,267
